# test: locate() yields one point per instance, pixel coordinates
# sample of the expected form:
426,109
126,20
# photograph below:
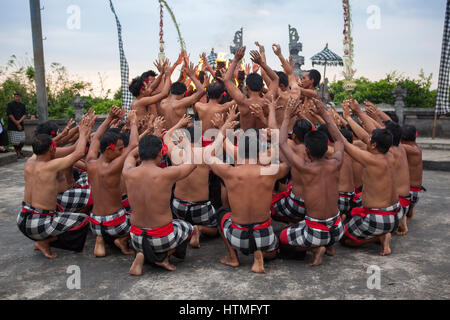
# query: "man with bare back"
322,226
109,220
39,218
247,225
254,89
155,235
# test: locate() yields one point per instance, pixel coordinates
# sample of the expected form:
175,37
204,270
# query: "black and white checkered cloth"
249,238
414,194
311,233
443,94
81,179
291,207
345,202
16,137
39,224
373,224
212,58
181,231
196,213
127,97
75,199
116,225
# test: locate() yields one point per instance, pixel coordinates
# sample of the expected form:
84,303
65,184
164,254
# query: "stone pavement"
417,269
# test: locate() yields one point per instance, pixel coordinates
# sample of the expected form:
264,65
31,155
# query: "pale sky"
409,36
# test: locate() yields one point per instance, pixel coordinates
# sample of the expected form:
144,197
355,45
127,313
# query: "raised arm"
273,87
228,80
365,119
357,129
184,121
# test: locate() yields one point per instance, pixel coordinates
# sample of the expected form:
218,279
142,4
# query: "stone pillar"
78,104
400,95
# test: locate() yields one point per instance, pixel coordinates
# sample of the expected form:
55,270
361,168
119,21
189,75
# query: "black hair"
178,88
193,138
409,133
392,115
241,76
283,78
317,143
347,135
315,76
331,96
201,76
149,147
41,144
136,86
396,131
254,82
125,138
110,137
301,128
47,128
149,74
383,139
247,142
215,90
115,130
324,128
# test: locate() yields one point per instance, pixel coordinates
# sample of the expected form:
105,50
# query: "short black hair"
284,79
254,82
301,128
149,147
215,90
148,74
347,135
393,116
110,137
247,142
409,133
41,144
49,127
315,76
178,88
125,138
136,86
324,128
331,95
396,131
383,139
317,143
241,75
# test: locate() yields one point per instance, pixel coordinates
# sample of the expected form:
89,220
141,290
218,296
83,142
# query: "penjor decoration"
349,72
163,3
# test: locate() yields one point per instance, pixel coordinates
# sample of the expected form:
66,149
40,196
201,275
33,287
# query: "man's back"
414,156
401,170
40,185
247,120
170,113
206,112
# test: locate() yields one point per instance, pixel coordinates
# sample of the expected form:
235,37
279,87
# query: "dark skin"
248,120
414,155
321,176
154,211
105,175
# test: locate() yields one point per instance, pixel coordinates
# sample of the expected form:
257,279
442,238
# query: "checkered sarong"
414,193
249,238
16,137
161,239
369,223
39,224
405,203
81,179
345,202
311,233
443,94
126,203
116,225
75,199
288,206
196,213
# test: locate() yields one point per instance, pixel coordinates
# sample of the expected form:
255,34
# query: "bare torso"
346,183
401,170
415,164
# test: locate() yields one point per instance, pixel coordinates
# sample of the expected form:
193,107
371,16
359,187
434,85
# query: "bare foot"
330,251
258,262
136,267
411,214
44,247
402,228
317,255
230,261
166,265
99,249
122,244
195,240
385,239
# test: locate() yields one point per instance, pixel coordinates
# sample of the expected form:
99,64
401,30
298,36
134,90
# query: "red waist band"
414,189
404,202
320,226
50,214
156,232
264,225
363,212
111,223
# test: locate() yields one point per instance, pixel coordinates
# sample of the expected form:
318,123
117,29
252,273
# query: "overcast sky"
409,36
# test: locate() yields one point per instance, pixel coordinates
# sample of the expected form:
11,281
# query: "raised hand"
159,123
276,49
184,121
189,69
240,53
256,57
256,110
261,48
273,103
231,114
217,120
354,105
132,116
247,69
320,107
255,68
345,109
291,108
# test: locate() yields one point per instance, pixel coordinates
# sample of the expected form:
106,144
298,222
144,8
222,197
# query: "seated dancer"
247,225
322,226
289,206
39,218
175,106
109,220
378,217
155,235
191,194
254,89
414,155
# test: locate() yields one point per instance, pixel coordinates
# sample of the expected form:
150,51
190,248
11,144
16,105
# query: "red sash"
363,212
112,223
265,225
414,189
404,202
320,226
156,232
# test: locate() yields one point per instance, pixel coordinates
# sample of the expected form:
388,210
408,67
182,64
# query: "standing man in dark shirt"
16,113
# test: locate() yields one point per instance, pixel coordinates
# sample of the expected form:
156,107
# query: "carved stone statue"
238,41
295,47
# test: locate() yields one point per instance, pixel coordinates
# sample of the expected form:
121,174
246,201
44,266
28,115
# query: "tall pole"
39,66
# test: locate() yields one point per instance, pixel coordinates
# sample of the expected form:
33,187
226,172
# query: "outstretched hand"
256,57
232,114
240,53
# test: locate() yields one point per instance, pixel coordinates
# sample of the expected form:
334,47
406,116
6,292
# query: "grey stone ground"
417,269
